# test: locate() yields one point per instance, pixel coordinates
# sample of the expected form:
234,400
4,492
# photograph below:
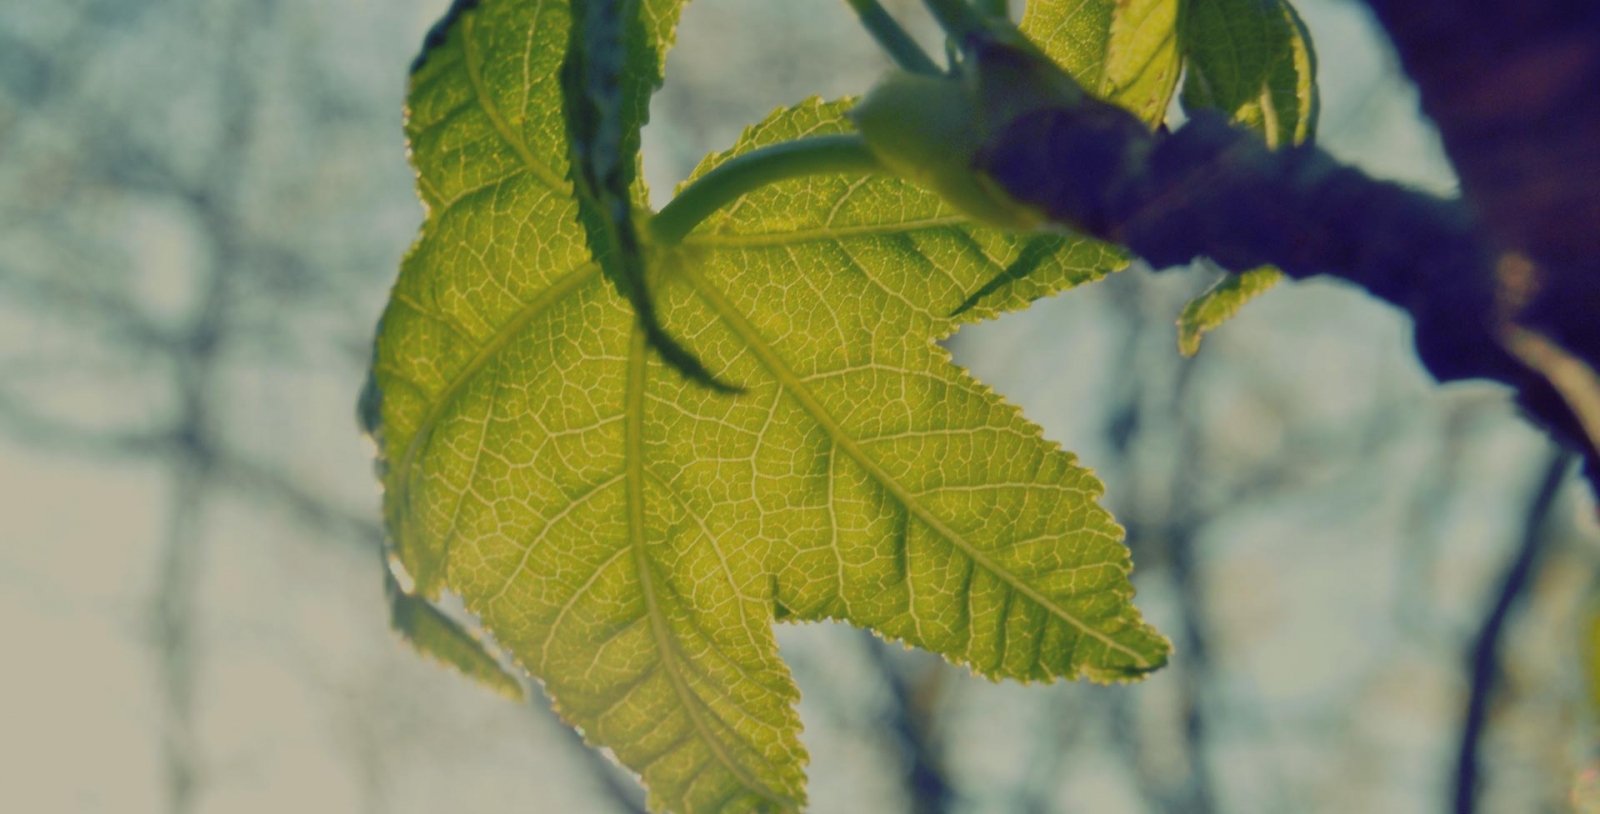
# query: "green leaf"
613,64
1252,59
442,639
1220,303
630,537
1126,51
908,497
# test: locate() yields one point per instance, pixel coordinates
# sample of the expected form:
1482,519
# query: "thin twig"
957,17
199,357
1485,659
927,789
172,623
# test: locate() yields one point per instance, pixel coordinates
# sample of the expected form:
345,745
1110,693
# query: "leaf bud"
930,130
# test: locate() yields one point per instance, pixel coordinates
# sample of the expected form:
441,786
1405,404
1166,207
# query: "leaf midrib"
796,387
754,239
667,643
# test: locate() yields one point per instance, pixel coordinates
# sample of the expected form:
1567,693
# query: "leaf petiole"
901,47
817,155
959,18
998,9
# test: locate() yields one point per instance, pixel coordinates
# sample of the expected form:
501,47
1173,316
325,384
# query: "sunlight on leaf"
1126,51
630,537
912,500
1253,59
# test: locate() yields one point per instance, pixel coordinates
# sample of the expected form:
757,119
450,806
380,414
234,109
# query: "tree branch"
1514,87
1213,190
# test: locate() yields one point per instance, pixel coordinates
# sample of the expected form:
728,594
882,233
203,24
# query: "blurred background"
203,204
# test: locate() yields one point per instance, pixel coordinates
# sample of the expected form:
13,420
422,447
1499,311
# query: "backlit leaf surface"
1127,51
1220,303
630,537
1253,59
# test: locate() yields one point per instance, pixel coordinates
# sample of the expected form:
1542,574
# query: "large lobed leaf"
906,496
1254,60
630,536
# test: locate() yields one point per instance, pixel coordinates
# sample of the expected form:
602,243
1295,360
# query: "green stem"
817,155
958,18
998,9
894,39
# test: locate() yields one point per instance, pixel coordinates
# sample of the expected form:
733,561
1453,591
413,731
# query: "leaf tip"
684,361
1188,338
441,639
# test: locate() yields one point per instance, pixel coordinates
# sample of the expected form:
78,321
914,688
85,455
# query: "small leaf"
1253,59
1220,303
440,638
1125,51
1144,57
612,66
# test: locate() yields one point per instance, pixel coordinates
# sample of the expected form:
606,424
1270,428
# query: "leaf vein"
781,370
474,60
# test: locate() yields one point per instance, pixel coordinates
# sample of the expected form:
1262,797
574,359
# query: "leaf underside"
628,536
1252,59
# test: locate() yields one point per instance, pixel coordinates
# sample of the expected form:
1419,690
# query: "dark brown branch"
1514,87
1212,190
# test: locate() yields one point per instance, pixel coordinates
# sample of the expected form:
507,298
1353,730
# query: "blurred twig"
910,720
1167,518
1485,659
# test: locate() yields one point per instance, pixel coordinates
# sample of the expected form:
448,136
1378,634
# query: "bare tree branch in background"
1169,531
182,558
1485,659
79,285
912,722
